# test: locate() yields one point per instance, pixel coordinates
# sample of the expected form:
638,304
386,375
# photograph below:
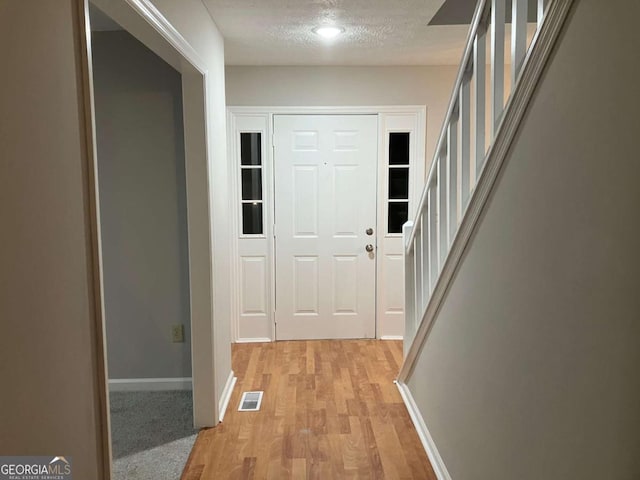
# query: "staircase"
488,102
479,126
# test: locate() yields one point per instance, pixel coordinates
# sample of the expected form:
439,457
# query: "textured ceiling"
378,32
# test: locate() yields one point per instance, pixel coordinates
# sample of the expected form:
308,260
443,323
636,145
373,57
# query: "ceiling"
377,32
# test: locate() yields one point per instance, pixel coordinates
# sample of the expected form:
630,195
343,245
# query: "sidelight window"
398,181
251,170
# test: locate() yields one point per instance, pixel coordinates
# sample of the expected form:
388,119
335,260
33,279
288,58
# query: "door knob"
369,231
369,248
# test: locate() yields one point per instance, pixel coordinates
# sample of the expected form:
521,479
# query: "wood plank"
452,181
498,12
426,271
465,142
443,206
479,83
330,410
433,237
419,271
540,12
518,37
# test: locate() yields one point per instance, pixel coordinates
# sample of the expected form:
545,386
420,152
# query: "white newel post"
409,287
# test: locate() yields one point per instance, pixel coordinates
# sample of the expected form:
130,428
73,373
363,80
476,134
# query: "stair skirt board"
423,432
149,384
226,394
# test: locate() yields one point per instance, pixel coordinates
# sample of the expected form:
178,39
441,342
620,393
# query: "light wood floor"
330,410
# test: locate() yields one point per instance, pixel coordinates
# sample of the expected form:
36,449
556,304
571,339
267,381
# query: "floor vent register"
250,402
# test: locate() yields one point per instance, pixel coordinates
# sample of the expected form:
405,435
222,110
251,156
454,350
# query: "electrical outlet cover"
177,333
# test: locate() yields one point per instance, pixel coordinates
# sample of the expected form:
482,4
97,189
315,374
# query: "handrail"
462,71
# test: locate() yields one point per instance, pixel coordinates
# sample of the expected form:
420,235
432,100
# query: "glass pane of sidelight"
250,148
251,184
399,183
399,148
398,214
252,218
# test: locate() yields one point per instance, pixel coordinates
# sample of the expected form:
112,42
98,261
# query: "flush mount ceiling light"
328,31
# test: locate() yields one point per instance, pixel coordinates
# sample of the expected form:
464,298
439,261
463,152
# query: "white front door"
325,221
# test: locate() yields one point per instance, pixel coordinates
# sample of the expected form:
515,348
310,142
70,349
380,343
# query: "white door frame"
148,25
261,120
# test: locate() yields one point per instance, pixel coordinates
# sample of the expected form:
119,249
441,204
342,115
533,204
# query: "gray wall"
335,86
193,21
531,369
50,351
141,168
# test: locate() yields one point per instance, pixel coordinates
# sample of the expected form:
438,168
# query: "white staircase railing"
473,119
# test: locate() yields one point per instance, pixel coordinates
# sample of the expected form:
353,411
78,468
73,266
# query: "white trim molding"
148,11
254,340
226,394
428,444
145,22
149,384
327,110
392,337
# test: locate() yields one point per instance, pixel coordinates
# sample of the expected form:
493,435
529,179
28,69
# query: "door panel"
325,200
306,285
306,204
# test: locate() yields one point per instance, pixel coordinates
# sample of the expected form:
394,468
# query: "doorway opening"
149,107
145,256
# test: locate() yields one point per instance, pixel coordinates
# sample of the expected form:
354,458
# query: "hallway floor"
330,410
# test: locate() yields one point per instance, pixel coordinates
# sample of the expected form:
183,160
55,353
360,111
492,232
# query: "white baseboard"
149,384
226,394
254,340
391,337
425,437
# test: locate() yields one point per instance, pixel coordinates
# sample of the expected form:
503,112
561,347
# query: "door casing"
148,25
254,255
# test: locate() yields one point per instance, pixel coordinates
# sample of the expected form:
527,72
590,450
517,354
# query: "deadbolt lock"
369,231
